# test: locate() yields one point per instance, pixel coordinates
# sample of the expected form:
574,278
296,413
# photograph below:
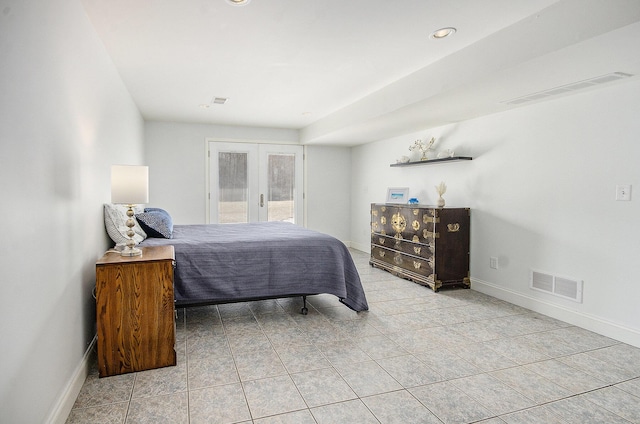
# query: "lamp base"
130,249
131,252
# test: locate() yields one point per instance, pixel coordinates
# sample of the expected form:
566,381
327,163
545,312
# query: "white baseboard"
589,322
65,402
366,248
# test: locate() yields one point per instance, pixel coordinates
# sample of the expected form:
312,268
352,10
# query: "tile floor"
457,356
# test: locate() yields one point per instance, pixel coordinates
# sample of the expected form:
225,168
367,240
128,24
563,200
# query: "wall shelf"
426,162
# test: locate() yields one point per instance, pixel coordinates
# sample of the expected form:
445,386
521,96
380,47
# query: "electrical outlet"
623,192
493,262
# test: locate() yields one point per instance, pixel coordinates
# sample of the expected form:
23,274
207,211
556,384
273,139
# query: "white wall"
328,200
541,187
65,117
176,155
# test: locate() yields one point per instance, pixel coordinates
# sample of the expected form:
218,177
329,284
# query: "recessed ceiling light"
442,33
239,2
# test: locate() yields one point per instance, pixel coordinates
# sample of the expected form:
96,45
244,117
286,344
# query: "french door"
255,182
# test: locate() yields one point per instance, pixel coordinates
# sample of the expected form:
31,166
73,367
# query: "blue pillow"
156,223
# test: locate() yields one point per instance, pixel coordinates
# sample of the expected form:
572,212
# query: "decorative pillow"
156,222
115,221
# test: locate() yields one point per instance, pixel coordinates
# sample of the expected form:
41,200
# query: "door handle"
262,200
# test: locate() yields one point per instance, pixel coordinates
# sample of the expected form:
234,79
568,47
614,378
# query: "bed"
224,263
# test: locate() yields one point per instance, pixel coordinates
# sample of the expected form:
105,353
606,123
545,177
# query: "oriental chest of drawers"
135,311
424,244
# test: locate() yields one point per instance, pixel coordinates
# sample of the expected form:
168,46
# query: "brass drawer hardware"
427,234
398,223
453,228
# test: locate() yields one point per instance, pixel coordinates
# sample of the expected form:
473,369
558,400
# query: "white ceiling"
351,72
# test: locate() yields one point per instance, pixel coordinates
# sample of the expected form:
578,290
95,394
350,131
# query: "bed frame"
230,263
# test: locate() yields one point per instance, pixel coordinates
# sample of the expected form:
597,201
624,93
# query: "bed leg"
304,310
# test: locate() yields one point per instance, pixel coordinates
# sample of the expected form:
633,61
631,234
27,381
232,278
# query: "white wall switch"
623,192
493,262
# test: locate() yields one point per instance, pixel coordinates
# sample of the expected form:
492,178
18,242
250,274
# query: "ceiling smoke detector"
239,2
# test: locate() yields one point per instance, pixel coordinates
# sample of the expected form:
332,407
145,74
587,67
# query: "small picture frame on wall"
397,194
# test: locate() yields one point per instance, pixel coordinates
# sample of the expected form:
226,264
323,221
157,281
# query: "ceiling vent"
563,89
219,100
568,288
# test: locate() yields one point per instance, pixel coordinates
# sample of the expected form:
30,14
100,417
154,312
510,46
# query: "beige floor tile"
272,396
456,356
352,412
169,409
322,387
493,394
297,417
368,378
112,413
220,404
450,404
409,371
399,407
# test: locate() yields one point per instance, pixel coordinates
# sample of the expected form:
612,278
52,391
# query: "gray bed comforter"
220,263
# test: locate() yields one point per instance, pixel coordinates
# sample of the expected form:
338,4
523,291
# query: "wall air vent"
568,288
563,89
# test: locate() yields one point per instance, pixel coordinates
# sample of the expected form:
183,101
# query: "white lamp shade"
129,184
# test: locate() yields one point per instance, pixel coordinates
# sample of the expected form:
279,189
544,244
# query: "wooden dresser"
425,244
135,311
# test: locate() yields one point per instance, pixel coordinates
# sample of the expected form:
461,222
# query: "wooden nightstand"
135,311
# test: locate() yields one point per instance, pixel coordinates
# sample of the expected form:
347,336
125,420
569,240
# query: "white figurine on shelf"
422,147
441,189
448,153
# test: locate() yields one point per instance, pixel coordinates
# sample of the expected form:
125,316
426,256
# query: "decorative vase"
441,189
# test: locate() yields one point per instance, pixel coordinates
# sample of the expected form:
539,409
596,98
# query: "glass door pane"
281,183
281,187
251,182
233,182
233,190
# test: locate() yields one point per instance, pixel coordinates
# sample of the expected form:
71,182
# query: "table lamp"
130,186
